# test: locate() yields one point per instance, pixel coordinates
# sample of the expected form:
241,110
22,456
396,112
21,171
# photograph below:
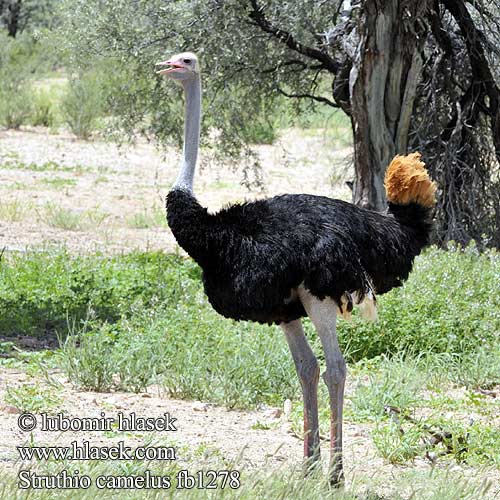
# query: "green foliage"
241,80
21,60
270,483
32,15
83,104
143,318
15,104
86,358
263,127
397,387
480,368
33,398
59,182
260,131
13,211
399,442
62,218
397,446
448,305
42,109
15,99
147,219
13,162
189,351
39,291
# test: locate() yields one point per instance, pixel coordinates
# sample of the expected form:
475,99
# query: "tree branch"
257,15
317,98
293,62
483,83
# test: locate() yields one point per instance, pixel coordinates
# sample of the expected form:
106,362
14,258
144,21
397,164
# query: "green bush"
86,358
448,304
262,130
15,104
19,60
42,113
147,315
83,104
189,351
39,291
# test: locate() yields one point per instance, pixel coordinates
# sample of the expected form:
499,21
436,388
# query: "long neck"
192,116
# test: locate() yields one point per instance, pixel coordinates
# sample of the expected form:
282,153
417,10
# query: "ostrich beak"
173,67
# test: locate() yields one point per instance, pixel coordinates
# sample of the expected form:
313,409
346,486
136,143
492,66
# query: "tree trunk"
13,13
382,87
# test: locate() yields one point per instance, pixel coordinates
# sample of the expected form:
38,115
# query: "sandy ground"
205,431
116,183
234,433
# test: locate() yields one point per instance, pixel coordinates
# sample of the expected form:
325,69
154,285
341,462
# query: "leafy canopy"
246,70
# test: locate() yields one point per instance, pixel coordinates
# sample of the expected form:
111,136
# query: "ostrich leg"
307,368
323,314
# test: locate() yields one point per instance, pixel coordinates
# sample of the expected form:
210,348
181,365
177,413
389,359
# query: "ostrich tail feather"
407,181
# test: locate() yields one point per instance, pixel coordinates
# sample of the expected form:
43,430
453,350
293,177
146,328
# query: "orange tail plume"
407,181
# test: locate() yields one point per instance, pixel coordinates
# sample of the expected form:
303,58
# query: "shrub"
42,113
152,323
18,61
189,351
447,305
39,291
86,358
63,218
33,398
15,104
83,104
262,130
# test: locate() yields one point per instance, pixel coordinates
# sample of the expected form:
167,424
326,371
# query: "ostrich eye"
186,61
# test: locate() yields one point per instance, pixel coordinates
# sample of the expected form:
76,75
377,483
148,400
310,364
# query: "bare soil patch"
114,184
249,439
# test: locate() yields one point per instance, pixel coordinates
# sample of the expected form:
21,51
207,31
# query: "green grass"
31,397
128,321
12,162
47,96
43,113
405,399
72,220
59,182
141,318
448,305
268,483
14,211
63,218
15,105
399,442
39,291
147,219
396,383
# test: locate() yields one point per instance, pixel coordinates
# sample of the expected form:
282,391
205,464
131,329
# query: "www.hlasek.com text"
86,451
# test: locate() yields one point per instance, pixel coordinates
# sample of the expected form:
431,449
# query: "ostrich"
279,259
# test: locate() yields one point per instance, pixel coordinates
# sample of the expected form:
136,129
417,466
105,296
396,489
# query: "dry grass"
63,180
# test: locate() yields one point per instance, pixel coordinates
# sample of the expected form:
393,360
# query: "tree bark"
13,13
382,86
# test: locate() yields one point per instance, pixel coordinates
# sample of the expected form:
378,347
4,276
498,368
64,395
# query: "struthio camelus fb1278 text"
277,260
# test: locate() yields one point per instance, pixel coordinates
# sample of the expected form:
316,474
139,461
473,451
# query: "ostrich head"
183,66
184,69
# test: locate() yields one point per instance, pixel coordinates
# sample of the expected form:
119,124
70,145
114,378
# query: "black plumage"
254,255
